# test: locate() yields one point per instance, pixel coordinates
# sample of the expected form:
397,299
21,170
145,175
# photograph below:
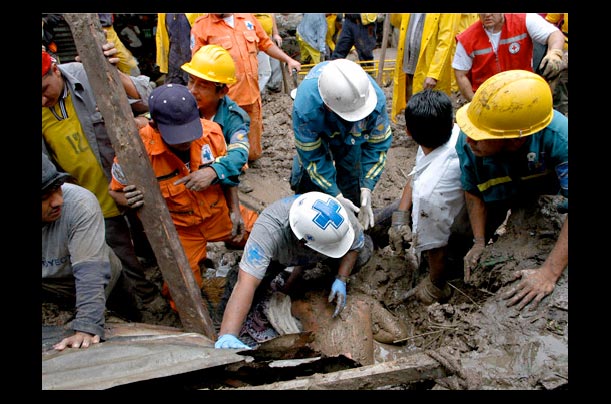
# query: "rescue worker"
513,147
424,56
211,70
297,231
342,134
182,147
243,36
500,42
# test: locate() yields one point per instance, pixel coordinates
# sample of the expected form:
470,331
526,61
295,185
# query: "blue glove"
338,289
228,341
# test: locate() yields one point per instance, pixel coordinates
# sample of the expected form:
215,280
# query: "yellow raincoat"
435,58
162,40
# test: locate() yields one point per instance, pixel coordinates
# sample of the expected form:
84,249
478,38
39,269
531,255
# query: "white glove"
347,202
366,215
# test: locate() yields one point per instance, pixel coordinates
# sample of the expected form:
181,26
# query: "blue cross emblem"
328,213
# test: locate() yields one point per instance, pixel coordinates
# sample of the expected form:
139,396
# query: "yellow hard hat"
212,63
510,104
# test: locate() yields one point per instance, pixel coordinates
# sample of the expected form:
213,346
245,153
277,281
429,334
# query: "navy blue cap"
174,110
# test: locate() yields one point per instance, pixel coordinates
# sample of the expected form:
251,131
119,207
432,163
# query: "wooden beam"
123,132
413,368
385,31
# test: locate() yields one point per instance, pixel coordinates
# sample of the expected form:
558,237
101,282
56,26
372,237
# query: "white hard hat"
345,88
322,222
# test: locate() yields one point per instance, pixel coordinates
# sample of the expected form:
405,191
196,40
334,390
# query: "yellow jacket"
331,19
162,40
434,60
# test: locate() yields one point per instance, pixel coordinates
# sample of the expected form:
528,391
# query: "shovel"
295,84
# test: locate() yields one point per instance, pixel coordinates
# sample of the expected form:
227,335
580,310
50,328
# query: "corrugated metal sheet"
132,352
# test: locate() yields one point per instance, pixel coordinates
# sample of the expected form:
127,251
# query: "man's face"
491,20
52,87
205,93
181,147
486,148
52,203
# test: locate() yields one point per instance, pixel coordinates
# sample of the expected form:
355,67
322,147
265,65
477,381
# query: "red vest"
515,49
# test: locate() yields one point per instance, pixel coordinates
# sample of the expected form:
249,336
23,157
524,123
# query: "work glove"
135,197
472,258
347,202
237,226
228,341
399,232
552,64
338,290
366,214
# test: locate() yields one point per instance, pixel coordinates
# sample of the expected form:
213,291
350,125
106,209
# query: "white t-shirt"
437,195
538,28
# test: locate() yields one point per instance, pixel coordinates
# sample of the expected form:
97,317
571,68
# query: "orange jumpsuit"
200,216
243,42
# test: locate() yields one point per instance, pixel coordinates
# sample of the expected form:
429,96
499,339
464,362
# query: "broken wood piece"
413,368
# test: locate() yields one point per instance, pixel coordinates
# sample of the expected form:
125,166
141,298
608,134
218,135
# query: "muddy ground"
484,343
497,347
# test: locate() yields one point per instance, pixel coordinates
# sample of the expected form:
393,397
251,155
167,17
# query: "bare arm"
464,84
238,230
405,203
347,264
277,53
239,304
555,40
477,215
275,34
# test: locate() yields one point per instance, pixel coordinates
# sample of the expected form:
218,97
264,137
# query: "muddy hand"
135,197
471,259
338,290
237,227
534,286
198,180
78,340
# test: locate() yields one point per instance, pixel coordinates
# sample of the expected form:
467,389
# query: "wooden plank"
385,32
413,368
123,132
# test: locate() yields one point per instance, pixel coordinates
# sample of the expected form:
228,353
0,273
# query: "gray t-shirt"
272,239
74,246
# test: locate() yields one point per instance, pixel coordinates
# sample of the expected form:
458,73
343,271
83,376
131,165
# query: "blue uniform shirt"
317,130
235,124
539,167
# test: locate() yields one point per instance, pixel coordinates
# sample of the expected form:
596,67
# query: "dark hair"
429,118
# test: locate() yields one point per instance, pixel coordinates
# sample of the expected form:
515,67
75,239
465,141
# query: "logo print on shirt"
514,48
328,214
207,156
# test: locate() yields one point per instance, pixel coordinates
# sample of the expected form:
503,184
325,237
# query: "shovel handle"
294,76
